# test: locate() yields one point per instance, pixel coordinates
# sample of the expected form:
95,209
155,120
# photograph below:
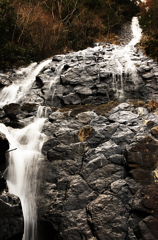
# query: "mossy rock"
85,133
154,131
29,107
78,110
64,109
54,109
137,103
152,105
103,109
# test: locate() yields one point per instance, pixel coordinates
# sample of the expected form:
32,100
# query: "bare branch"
51,9
71,13
8,151
24,26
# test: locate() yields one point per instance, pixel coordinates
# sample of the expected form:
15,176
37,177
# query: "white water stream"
22,174
121,63
18,89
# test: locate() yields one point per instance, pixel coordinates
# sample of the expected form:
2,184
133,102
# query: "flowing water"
18,89
22,174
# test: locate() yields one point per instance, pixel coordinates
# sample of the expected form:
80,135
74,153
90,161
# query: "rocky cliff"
98,180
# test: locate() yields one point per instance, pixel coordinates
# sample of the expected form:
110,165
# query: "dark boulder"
11,110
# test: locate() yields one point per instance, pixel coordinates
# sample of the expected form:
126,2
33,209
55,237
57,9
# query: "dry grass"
109,38
85,133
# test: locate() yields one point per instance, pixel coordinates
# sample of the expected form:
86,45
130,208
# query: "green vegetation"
149,24
32,30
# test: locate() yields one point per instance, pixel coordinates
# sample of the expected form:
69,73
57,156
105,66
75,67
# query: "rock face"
89,191
99,174
4,146
11,219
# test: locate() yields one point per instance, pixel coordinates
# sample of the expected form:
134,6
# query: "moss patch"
64,109
137,103
78,110
100,109
54,109
152,105
85,133
105,108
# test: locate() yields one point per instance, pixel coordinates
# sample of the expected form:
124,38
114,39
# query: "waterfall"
18,89
22,172
120,64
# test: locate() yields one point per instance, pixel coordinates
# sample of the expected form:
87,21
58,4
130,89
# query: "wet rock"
148,75
11,218
154,131
29,107
117,159
4,143
4,146
83,90
58,58
145,200
67,135
147,228
97,161
57,116
4,81
2,113
72,98
102,212
39,82
11,110
78,193
123,117
85,117
122,136
49,144
143,153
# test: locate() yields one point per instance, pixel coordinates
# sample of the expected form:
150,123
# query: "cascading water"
120,63
18,89
23,167
22,173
